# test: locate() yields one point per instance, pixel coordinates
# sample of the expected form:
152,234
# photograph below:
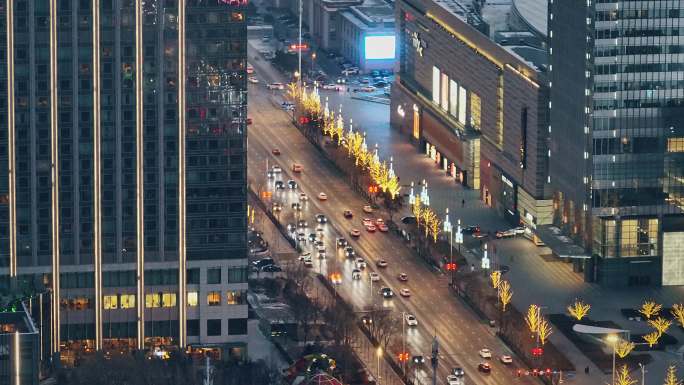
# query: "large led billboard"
380,47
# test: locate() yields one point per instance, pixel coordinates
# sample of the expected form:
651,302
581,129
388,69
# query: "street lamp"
448,228
613,340
424,197
313,59
412,196
378,354
643,372
459,235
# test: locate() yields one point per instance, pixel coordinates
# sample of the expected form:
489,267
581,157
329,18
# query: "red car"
275,151
348,214
371,228
249,121
383,227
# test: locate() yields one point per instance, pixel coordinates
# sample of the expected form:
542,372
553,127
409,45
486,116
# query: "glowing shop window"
214,298
193,298
111,302
168,299
152,300
461,105
475,111
444,93
127,301
675,144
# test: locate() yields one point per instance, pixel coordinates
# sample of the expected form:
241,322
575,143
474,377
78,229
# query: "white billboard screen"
380,47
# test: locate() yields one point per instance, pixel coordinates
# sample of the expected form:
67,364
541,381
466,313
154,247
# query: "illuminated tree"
495,277
650,309
623,348
671,376
435,226
622,377
660,324
430,220
505,294
417,210
544,330
393,187
579,309
652,338
678,312
532,318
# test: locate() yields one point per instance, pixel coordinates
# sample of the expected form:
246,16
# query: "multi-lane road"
460,333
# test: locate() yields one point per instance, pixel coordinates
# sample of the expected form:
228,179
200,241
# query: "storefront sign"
418,43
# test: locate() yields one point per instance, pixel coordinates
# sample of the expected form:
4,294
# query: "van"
356,274
296,167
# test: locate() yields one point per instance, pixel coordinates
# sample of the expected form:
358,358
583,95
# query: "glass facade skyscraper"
123,168
617,121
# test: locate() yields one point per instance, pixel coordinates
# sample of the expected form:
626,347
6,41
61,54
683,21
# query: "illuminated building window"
435,84
475,111
111,302
127,301
152,300
444,92
192,298
168,299
235,297
453,98
214,298
461,105
675,144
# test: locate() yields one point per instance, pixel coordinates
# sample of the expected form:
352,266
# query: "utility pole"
299,46
208,374
435,359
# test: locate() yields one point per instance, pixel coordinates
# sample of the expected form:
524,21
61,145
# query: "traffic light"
373,189
303,120
403,357
537,352
451,266
548,372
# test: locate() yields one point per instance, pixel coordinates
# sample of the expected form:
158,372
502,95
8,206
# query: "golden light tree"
393,187
671,376
532,318
678,312
495,278
652,338
293,90
417,210
429,219
623,348
544,330
435,226
579,309
650,309
622,377
660,324
505,294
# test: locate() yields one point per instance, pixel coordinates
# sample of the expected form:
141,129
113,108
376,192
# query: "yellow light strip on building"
181,179
140,247
17,359
97,225
54,146
477,49
11,140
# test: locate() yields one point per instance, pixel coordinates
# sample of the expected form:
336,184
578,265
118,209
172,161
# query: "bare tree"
342,322
305,310
387,329
299,275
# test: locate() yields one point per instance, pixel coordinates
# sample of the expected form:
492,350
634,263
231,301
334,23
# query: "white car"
350,71
276,169
331,86
411,320
374,277
485,353
275,86
405,292
322,196
453,380
367,209
360,263
506,359
253,80
304,257
303,197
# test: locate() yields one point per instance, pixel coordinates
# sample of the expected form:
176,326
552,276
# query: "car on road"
484,367
291,227
371,228
302,224
383,228
308,263
349,252
386,292
296,206
253,80
453,380
287,106
355,233
319,232
275,151
276,169
374,277
341,242
250,69
271,269
360,263
480,235
381,263
292,184
458,372
258,264
418,360
367,89
279,185
348,214
356,274
410,319
275,86
506,359
471,230
379,221
505,234
304,257
350,71
321,254
403,277
367,209
276,206
321,218
331,86
367,221
312,237
404,292
485,353
301,237
322,196
408,220
303,197
296,167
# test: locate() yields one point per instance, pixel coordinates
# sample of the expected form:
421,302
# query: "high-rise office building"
123,169
617,136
